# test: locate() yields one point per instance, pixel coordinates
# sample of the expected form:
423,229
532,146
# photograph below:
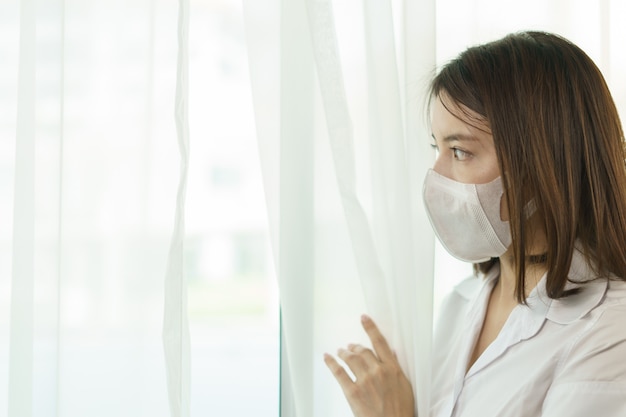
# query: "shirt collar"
526,321
581,276
592,290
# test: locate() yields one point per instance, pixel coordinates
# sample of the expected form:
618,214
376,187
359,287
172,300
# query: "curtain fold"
296,199
419,58
85,230
176,338
20,389
366,210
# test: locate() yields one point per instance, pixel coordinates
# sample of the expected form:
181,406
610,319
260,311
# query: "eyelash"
455,152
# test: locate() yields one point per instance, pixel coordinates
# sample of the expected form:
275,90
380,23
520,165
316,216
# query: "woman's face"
465,153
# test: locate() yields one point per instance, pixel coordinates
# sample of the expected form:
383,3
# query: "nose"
440,166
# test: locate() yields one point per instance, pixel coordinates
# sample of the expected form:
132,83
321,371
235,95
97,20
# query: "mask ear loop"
530,208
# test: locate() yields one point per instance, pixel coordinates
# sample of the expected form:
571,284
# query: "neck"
536,244
505,288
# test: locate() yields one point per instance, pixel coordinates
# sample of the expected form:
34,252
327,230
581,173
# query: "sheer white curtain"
338,88
134,268
344,152
87,207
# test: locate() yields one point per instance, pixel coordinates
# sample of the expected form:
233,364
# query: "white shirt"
552,358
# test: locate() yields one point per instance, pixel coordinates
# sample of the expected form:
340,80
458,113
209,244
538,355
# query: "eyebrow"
460,137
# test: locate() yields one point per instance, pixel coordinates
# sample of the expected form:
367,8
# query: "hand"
380,389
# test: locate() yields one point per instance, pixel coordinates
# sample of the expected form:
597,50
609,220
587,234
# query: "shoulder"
456,306
598,352
591,376
607,322
468,288
461,296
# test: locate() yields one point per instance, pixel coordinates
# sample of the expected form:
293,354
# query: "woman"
530,185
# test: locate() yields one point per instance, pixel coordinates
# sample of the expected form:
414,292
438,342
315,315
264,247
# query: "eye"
460,155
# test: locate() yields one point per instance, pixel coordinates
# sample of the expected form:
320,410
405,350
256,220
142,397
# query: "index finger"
379,343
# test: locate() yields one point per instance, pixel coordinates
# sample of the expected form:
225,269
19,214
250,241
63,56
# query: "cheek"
490,168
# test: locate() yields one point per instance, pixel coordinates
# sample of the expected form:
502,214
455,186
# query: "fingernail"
364,318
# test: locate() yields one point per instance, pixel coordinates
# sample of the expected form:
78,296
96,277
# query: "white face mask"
466,217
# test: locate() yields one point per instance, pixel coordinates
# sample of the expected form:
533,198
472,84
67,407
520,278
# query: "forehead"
448,116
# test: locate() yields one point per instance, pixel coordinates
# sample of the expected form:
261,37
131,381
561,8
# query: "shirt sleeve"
591,380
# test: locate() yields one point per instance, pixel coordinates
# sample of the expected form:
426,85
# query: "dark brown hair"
559,142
